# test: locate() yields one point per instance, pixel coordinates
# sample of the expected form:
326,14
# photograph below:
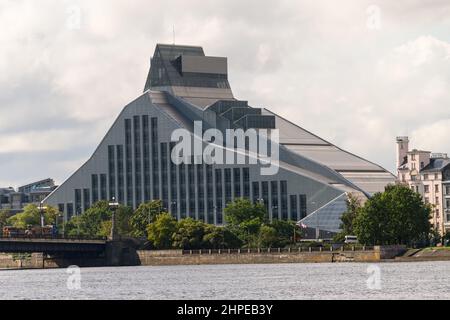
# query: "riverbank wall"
124,256
265,256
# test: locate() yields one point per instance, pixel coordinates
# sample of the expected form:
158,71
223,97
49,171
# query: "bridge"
52,245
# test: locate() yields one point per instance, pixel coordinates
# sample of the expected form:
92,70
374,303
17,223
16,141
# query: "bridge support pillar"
37,260
120,253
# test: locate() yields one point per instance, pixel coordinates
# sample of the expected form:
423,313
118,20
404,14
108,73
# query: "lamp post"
113,205
42,209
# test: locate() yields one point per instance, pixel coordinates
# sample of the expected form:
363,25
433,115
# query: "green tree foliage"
268,236
31,216
245,220
278,233
396,216
220,238
348,218
96,221
189,234
161,231
145,214
4,215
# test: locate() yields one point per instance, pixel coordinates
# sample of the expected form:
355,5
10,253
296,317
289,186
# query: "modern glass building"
133,162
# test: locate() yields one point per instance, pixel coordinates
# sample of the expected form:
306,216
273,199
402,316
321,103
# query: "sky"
356,73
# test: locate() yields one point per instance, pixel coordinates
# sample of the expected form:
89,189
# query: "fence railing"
278,250
49,237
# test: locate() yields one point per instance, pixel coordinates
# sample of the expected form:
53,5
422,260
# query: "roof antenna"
173,34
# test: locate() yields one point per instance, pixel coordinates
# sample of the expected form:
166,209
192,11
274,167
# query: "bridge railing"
50,237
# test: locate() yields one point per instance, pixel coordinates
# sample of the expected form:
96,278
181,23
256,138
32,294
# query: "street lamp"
113,205
42,209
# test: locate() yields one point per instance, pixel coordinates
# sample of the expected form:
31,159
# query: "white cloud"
311,61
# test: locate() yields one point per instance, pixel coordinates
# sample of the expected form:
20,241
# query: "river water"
416,280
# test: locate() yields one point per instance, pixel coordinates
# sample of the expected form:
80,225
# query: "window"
436,201
94,186
201,192
86,199
246,178
237,182
293,205
173,184
78,201
413,165
155,157
284,200
413,157
303,206
427,200
103,192
227,185
422,164
69,211
128,162
112,172
265,194
413,178
182,179
425,177
210,194
219,201
447,190
255,193
120,177
436,176
137,159
146,156
436,188
274,194
426,188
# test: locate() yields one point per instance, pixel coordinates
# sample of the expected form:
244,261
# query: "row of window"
142,170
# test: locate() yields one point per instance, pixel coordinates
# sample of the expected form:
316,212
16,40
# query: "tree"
189,234
145,214
348,217
220,238
4,215
31,216
285,232
396,216
245,219
161,231
268,236
96,221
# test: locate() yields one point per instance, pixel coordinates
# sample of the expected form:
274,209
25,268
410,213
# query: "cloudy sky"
357,74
